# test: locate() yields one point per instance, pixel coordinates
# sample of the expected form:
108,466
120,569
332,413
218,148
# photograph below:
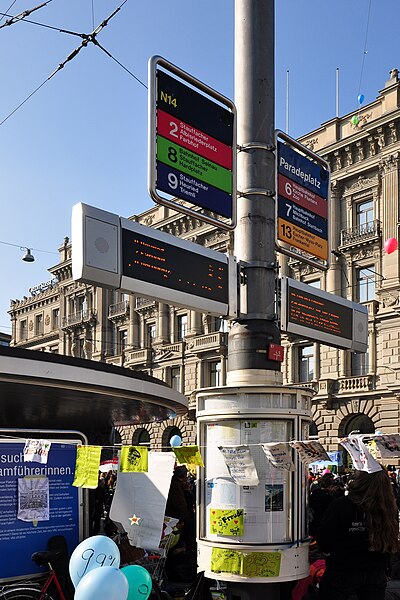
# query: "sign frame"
302,255
222,222
358,342
97,259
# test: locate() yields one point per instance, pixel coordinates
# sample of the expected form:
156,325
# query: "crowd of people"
354,529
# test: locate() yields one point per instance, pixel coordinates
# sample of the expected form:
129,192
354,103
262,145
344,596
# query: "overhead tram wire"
91,37
96,43
21,16
9,8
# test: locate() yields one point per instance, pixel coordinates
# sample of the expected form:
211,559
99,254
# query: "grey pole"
255,231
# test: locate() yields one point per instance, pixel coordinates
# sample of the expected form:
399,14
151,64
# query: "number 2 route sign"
192,145
302,200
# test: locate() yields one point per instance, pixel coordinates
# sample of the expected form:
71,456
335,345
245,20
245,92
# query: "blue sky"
83,136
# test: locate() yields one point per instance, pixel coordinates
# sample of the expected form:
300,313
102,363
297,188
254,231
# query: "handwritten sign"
250,564
188,455
227,522
36,451
87,467
360,455
240,464
226,561
261,564
388,445
134,459
278,455
309,451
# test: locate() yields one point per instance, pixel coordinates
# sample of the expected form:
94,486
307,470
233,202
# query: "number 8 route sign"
302,208
192,146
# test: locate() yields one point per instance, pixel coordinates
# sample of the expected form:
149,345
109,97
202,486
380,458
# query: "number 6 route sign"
192,146
302,208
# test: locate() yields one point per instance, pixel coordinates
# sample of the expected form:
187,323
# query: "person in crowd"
358,533
321,497
393,583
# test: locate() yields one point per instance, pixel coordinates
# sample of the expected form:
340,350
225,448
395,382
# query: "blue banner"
20,539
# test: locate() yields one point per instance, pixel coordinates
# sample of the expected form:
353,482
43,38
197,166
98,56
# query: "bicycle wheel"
23,593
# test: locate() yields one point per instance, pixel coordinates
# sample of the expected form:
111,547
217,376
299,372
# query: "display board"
192,145
56,500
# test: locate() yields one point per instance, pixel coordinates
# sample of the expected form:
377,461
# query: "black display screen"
314,312
148,259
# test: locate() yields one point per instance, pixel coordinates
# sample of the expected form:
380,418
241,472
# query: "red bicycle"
32,590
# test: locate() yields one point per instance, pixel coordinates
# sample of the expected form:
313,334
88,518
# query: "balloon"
176,440
139,580
360,98
354,120
107,583
96,551
391,245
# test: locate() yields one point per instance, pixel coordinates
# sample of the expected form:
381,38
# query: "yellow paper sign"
134,459
87,466
226,561
261,564
227,521
189,455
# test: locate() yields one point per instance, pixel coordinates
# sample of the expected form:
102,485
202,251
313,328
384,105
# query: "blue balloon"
107,583
139,580
96,551
175,441
360,98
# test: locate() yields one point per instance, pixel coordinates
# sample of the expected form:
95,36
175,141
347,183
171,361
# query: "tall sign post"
192,145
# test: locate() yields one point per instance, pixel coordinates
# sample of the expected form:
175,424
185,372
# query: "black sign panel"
148,259
318,313
192,107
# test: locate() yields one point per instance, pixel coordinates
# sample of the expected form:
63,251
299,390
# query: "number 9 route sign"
302,209
192,146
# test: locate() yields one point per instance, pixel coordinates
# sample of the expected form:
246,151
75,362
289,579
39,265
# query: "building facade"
188,350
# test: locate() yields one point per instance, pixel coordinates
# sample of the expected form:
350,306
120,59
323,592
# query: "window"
151,333
123,340
306,363
364,215
23,330
143,438
176,378
315,284
39,324
365,284
182,323
215,378
359,363
55,318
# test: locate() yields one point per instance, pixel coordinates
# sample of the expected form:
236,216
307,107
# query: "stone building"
188,350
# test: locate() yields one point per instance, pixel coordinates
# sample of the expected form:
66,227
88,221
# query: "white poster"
36,451
140,498
388,445
360,455
33,499
240,464
279,455
309,451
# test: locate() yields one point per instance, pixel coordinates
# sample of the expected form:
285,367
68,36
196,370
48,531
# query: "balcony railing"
78,318
134,357
209,341
142,302
361,383
360,234
119,309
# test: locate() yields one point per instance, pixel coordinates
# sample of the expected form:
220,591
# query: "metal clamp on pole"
254,191
257,146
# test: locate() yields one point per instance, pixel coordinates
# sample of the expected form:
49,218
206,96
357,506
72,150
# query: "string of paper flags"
238,458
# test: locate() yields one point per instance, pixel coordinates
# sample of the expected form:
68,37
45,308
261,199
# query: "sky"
82,137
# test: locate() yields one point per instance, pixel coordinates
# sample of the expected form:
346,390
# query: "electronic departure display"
322,317
157,262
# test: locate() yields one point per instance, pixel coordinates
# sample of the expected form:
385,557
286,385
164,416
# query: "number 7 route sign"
302,202
192,146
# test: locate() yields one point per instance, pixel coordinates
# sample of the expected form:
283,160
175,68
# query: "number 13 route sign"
302,208
192,146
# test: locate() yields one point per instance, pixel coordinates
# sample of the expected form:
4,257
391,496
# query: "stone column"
333,279
133,333
390,218
162,323
194,325
172,324
142,331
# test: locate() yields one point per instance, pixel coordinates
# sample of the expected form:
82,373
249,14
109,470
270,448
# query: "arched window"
168,434
141,437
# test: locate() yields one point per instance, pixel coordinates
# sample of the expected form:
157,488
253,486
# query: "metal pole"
256,326
287,102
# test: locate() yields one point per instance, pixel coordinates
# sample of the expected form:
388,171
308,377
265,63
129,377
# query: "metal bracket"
254,191
256,146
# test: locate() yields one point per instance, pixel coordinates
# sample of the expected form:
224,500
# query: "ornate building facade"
188,350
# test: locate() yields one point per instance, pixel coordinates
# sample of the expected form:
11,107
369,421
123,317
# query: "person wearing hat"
358,533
